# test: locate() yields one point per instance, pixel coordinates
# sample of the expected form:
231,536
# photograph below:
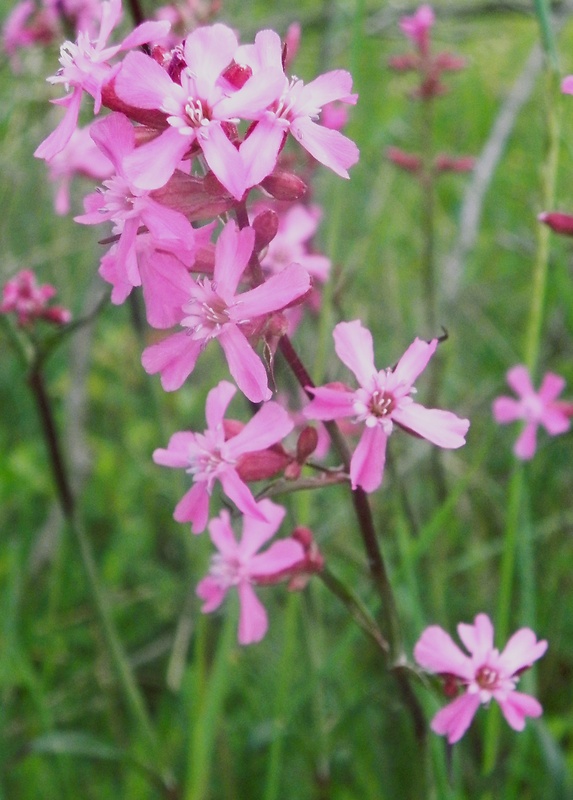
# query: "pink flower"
296,228
197,107
536,408
382,400
84,67
240,565
210,457
29,301
484,674
296,109
417,27
216,311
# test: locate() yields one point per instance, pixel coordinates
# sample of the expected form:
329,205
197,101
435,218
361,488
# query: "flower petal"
454,719
331,148
521,651
244,364
253,621
478,638
174,358
354,347
516,706
437,652
367,463
194,507
442,428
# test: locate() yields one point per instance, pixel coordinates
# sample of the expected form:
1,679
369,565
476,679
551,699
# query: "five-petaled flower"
382,400
484,674
536,408
210,456
240,565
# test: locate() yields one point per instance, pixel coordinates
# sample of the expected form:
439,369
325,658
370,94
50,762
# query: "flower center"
118,198
207,311
227,570
487,678
381,403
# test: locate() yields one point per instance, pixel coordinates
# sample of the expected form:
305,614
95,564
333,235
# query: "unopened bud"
283,185
558,222
407,161
266,225
404,63
237,74
448,62
445,163
306,443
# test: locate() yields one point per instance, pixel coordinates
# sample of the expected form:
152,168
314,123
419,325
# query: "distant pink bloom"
296,228
536,408
80,157
417,27
210,457
484,674
85,68
382,400
23,296
215,310
296,109
239,565
567,85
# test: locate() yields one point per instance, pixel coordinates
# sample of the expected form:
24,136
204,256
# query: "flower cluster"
29,301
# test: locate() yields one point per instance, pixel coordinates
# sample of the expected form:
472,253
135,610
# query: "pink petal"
334,85
567,85
194,507
260,150
551,387
516,706
413,362
141,82
217,402
232,253
166,287
519,380
329,403
367,463
442,428
506,409
152,164
222,535
280,556
478,638
59,137
521,651
526,443
257,94
211,593
276,293
354,347
253,622
454,719
177,452
244,364
238,491
436,651
174,358
115,137
146,32
330,147
258,531
208,50
270,424
554,420
224,159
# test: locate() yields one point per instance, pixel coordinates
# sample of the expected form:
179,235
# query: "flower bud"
445,163
448,62
558,222
283,185
407,161
237,75
306,444
266,225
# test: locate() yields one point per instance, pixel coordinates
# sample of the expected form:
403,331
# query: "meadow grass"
310,712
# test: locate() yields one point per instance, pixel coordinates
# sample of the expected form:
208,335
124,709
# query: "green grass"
311,712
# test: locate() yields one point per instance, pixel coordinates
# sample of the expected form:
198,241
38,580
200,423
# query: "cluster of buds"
429,68
29,301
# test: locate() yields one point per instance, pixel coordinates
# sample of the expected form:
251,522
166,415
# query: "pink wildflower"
240,565
296,228
536,408
210,456
29,301
417,27
296,109
382,400
199,109
214,310
484,674
85,68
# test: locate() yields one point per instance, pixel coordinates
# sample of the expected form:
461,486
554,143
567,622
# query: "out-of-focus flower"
239,565
483,675
382,400
23,296
417,27
535,408
558,222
